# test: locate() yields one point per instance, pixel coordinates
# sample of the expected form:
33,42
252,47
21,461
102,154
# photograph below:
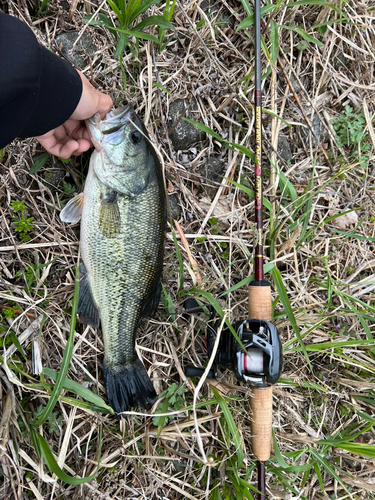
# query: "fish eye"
136,137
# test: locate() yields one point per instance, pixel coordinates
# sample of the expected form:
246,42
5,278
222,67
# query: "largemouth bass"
122,212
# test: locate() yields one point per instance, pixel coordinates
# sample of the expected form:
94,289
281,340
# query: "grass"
57,430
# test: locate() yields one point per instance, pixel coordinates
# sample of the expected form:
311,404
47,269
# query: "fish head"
123,144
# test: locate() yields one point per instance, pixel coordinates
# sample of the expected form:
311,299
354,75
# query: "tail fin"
128,386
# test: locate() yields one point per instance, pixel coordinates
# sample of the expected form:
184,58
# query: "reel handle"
193,371
260,307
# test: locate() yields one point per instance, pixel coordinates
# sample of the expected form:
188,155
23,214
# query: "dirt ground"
319,186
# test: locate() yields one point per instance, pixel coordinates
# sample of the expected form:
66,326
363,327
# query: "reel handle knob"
193,371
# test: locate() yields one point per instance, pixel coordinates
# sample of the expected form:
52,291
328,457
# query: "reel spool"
259,364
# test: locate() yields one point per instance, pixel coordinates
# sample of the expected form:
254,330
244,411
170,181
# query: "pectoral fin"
87,310
109,216
72,211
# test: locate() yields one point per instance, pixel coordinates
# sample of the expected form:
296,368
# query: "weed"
54,420
349,127
167,14
127,12
9,312
174,398
23,225
69,189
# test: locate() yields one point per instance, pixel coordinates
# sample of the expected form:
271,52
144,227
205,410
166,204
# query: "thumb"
92,101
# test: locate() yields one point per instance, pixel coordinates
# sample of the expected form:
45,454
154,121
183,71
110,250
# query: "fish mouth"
116,119
113,121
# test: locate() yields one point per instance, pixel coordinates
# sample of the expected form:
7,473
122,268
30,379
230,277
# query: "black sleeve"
38,90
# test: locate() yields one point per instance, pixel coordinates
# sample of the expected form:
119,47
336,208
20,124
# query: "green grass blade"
66,359
144,5
39,163
250,193
352,235
249,21
319,475
231,425
159,21
287,186
323,3
275,273
278,455
246,6
43,450
326,465
204,128
322,346
303,383
266,269
137,34
307,209
274,41
180,262
18,346
242,149
80,390
303,34
365,450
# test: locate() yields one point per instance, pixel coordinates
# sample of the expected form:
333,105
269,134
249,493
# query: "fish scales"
122,240
124,270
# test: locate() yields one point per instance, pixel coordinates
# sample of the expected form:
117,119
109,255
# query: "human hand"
72,137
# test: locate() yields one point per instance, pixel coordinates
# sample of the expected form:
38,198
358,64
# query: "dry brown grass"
189,456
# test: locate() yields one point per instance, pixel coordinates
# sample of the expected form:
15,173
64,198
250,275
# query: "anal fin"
87,309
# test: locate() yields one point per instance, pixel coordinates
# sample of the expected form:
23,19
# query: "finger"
105,105
77,129
70,147
91,101
59,147
83,145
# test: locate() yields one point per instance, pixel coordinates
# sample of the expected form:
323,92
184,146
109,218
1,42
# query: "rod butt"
261,429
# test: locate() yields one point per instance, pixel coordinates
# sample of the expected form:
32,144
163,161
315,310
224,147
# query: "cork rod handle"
260,307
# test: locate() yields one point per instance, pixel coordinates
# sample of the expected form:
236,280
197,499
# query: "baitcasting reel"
260,365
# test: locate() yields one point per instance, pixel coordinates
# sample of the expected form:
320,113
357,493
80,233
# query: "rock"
174,206
212,170
209,6
341,61
54,172
184,134
283,148
297,87
319,131
77,55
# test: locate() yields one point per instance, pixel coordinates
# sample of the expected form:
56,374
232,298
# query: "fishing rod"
257,358
260,301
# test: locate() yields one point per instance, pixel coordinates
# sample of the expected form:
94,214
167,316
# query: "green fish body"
122,239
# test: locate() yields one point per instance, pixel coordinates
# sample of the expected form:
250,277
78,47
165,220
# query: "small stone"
184,134
341,61
79,54
174,206
297,87
283,148
319,131
213,170
54,172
